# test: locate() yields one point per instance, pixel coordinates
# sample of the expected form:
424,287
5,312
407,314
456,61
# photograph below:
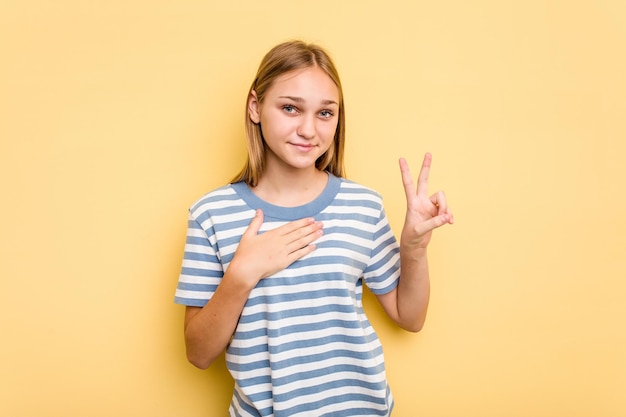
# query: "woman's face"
298,118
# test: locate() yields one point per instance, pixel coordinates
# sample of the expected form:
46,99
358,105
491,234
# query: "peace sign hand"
424,213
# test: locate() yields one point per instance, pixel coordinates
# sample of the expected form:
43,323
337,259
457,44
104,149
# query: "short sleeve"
201,270
383,271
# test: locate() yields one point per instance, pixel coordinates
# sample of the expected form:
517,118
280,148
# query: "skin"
299,117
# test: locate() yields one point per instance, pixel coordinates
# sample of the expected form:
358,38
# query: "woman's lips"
304,147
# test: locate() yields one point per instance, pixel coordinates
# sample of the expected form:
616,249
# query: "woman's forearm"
208,329
414,289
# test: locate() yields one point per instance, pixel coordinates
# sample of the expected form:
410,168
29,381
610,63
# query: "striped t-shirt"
303,345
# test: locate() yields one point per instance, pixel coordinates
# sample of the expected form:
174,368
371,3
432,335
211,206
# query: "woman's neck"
291,189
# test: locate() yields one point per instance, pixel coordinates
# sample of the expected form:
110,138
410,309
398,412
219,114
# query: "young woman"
275,261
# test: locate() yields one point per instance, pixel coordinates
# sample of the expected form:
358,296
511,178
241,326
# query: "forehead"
304,82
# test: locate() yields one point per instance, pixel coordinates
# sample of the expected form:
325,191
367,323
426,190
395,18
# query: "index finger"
296,225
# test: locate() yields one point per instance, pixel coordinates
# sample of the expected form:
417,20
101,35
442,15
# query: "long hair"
281,59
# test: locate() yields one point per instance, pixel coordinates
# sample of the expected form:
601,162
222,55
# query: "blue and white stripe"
303,345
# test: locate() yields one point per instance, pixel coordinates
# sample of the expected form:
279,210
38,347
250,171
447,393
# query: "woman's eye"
327,114
289,108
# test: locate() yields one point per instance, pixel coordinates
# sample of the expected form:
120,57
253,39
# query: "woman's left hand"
424,213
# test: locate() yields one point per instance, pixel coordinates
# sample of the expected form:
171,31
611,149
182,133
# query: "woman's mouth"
303,147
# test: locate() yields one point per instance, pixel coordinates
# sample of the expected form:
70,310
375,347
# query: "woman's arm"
407,304
208,329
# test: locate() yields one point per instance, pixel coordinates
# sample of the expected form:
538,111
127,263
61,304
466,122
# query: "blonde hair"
279,60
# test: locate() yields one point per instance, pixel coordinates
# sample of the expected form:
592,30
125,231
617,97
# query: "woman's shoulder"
218,197
352,187
354,194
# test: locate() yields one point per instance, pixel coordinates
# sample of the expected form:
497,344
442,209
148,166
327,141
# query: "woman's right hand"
261,255
208,329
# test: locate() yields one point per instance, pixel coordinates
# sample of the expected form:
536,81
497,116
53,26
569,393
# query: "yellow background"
116,115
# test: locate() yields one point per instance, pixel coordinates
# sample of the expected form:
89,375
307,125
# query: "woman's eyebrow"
301,100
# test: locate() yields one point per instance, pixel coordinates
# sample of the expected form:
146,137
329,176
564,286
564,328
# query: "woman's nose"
307,127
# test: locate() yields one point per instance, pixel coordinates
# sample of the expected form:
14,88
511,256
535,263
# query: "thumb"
255,223
436,222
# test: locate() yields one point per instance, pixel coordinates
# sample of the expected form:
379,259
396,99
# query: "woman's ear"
254,108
